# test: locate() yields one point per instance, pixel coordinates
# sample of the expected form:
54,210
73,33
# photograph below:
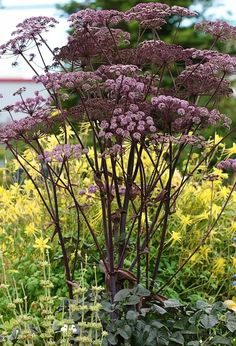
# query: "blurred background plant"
24,226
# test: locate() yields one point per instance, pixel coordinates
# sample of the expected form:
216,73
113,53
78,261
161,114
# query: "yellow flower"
217,139
223,192
219,266
232,150
55,113
30,229
175,237
230,305
204,251
3,248
234,262
215,210
2,231
28,186
41,244
195,258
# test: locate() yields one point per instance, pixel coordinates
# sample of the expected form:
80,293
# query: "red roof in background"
16,80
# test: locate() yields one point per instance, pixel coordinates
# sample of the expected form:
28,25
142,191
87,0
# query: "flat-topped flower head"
58,80
132,124
182,11
218,29
113,71
227,164
93,18
63,152
149,15
31,105
149,10
34,26
24,128
86,43
27,31
159,52
125,88
202,80
180,115
216,60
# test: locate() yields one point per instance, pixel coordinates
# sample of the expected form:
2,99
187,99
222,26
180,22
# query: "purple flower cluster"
58,80
182,11
217,61
219,30
180,115
133,124
29,105
114,71
90,17
125,88
151,15
227,164
24,128
160,53
27,31
63,152
34,26
202,80
86,43
197,141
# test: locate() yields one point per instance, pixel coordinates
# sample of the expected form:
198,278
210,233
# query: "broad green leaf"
208,321
159,309
163,337
133,300
107,306
122,333
181,323
201,305
157,324
172,303
112,339
141,291
151,337
178,338
128,330
122,295
132,315
220,340
194,319
231,324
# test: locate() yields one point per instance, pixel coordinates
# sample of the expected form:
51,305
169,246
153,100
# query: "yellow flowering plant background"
26,233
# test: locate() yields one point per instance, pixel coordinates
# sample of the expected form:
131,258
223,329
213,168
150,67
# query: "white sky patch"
8,3
9,18
224,10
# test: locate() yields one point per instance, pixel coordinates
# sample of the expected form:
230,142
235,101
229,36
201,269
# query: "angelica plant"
147,102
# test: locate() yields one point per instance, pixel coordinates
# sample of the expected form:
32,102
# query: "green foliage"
50,320
148,322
